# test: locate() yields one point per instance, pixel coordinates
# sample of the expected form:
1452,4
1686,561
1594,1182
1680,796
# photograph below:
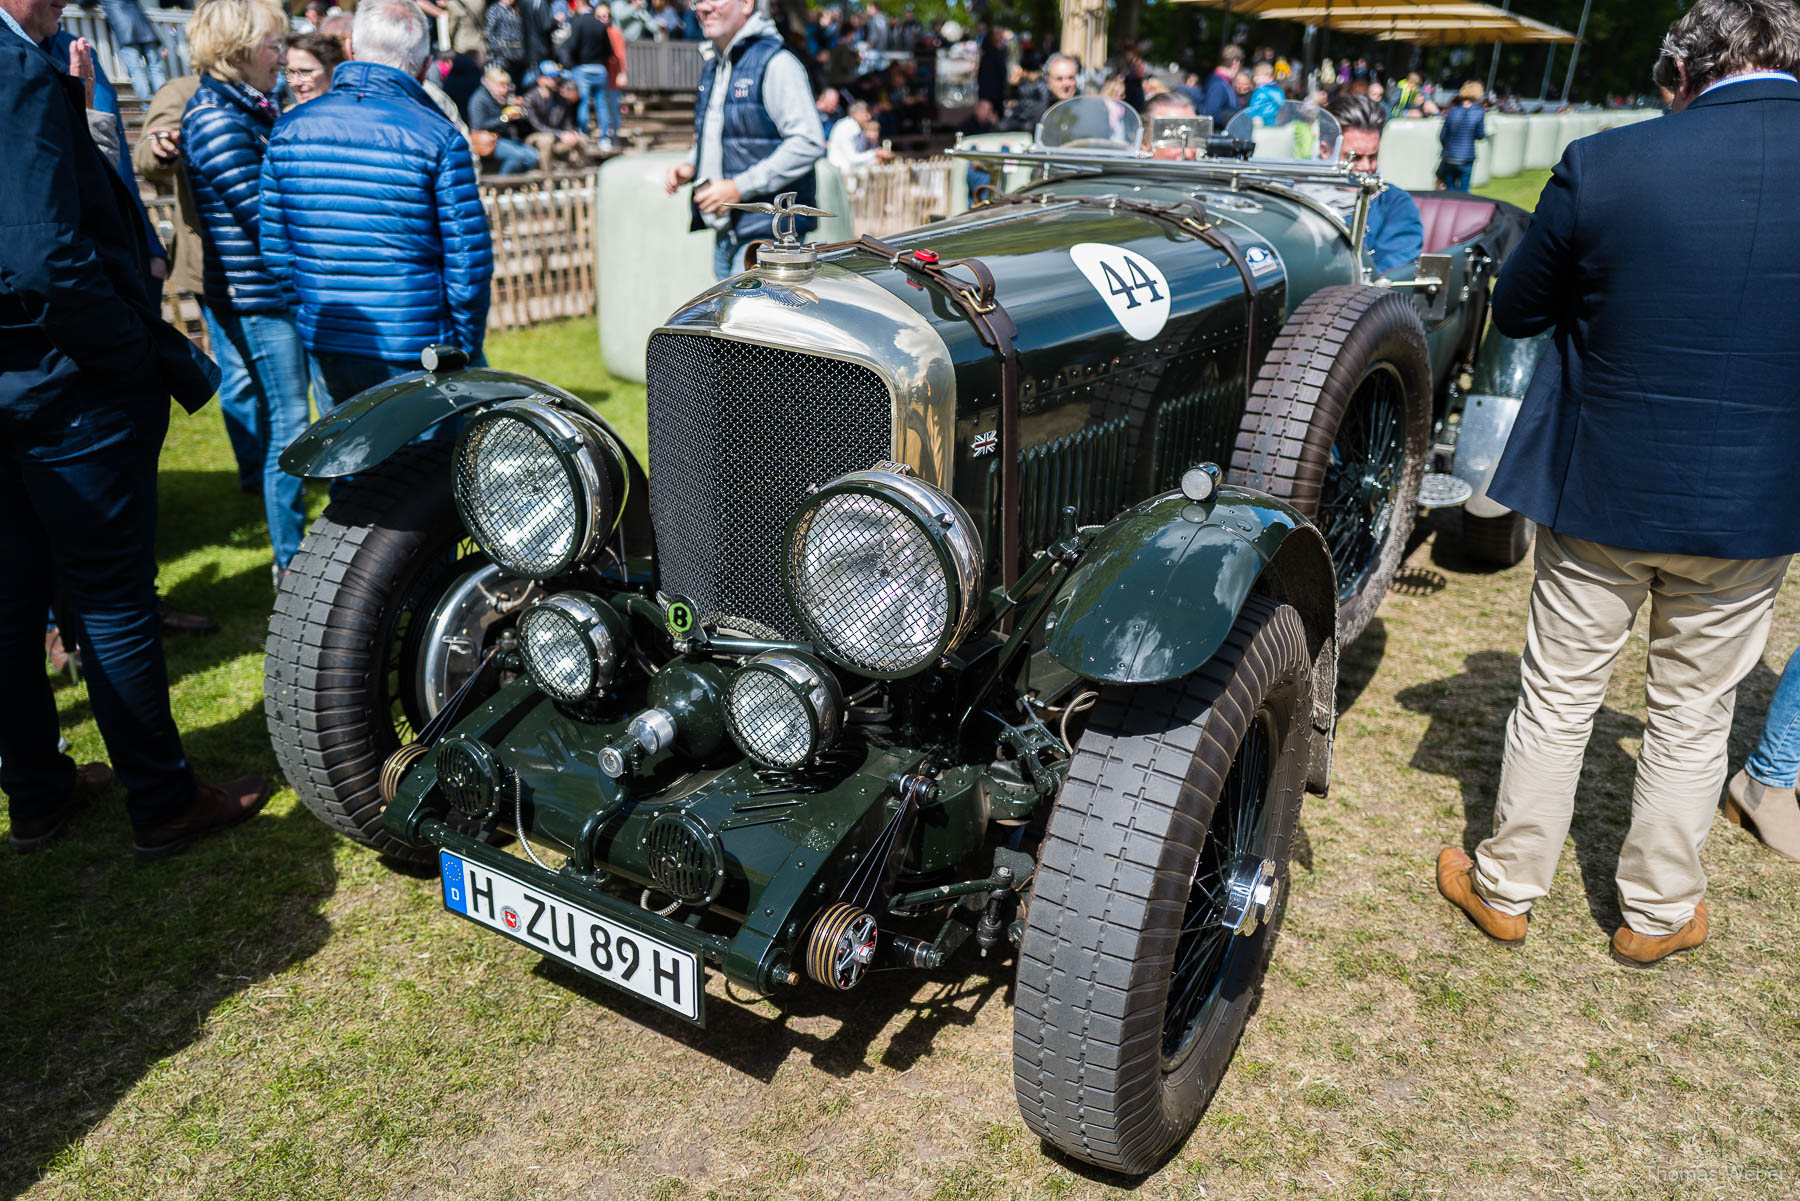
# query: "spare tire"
1338,424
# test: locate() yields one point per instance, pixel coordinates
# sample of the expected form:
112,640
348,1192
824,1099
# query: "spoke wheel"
1159,890
1363,477
1338,424
1220,910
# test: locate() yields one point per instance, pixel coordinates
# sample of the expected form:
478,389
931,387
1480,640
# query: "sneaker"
91,779
216,807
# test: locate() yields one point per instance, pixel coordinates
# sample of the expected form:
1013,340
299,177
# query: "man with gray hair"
756,131
370,216
1396,233
1655,451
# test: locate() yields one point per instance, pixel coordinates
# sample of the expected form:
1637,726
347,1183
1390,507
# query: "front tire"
339,690
1132,990
1338,424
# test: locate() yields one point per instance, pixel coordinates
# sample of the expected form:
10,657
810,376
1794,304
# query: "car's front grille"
738,431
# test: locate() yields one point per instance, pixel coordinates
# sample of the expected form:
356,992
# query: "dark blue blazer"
1666,257
78,324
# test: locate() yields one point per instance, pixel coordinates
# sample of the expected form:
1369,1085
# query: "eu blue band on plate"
456,897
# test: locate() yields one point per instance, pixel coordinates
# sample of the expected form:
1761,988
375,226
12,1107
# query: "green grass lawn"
1521,189
278,1014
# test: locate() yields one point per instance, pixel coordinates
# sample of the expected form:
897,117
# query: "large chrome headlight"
783,708
572,644
540,488
882,570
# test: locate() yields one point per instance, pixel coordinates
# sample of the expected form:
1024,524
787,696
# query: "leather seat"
1450,219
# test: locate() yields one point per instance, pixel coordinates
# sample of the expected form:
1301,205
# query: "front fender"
1159,588
372,425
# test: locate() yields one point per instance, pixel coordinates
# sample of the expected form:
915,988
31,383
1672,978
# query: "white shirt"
847,148
1746,77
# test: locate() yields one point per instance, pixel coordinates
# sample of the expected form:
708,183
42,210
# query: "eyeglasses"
303,72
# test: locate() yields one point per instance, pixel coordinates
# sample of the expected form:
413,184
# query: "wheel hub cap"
1250,892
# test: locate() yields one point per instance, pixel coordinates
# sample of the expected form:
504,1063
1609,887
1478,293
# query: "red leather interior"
1451,219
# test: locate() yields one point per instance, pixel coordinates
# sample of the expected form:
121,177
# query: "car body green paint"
1159,589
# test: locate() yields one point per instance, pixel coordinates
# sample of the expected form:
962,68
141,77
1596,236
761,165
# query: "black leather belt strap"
996,330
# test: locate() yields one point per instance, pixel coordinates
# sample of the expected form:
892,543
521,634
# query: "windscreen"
1299,131
1090,123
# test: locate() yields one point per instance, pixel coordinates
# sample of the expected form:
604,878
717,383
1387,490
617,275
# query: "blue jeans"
78,485
513,158
344,375
728,255
237,405
269,345
1776,759
597,99
146,67
1456,176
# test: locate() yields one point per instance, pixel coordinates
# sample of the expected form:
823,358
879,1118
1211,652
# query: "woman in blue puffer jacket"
238,47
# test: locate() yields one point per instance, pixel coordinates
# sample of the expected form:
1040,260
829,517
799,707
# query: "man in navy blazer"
1655,450
87,367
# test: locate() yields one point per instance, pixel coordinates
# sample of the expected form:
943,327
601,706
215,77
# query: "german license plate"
625,958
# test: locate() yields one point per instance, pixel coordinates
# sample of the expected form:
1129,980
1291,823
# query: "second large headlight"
882,570
539,487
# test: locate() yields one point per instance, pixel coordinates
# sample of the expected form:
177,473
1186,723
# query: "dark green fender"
1160,587
372,425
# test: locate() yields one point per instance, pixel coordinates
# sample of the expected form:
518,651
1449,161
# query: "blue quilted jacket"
223,136
371,221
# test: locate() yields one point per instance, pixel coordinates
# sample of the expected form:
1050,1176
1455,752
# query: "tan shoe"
1640,950
1772,814
1453,880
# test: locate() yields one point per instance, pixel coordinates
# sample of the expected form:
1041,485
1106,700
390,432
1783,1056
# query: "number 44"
1118,286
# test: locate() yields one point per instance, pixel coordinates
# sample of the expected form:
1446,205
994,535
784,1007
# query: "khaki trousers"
1709,619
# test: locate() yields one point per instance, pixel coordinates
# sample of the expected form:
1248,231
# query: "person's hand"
569,137
716,195
165,144
159,268
619,80
677,175
81,66
883,155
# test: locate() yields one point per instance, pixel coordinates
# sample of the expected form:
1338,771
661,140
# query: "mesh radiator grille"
737,433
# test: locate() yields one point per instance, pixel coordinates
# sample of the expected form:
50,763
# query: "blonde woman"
238,47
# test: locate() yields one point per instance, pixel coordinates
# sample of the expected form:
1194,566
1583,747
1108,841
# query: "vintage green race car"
985,591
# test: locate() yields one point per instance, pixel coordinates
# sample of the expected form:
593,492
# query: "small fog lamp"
572,644
784,708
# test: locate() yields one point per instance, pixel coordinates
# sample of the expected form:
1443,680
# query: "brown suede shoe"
1772,814
216,807
1453,880
91,779
176,621
1640,950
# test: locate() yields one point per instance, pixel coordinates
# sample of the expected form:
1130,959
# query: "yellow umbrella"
1458,31
1427,22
